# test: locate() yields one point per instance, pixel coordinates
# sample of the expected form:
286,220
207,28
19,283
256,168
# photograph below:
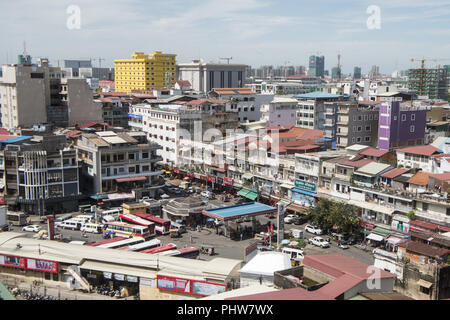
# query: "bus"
143,245
136,220
111,212
162,226
17,218
121,243
170,246
96,244
188,252
127,230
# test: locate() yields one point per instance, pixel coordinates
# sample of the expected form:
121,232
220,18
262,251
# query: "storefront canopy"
247,176
374,237
303,192
248,194
240,210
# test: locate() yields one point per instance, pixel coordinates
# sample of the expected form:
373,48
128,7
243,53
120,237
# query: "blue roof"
324,140
232,212
317,95
17,139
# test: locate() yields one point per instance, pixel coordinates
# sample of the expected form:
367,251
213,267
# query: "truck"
3,218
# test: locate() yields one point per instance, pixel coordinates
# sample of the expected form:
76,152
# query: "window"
358,139
367,139
424,290
413,117
371,117
359,129
411,129
368,128
403,117
424,206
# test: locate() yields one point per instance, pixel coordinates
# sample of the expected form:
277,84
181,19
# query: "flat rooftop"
240,210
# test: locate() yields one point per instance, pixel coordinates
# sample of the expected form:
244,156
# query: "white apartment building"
206,76
418,157
281,111
247,102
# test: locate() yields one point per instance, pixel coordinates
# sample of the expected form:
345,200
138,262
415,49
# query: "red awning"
131,179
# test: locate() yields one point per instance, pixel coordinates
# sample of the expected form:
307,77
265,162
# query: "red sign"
366,225
228,181
42,265
176,170
14,262
212,179
190,175
203,178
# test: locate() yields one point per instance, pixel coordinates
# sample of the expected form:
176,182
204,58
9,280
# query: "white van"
109,218
71,224
180,227
61,219
83,218
294,254
92,228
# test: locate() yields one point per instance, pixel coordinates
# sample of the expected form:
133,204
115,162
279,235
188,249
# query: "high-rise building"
357,73
334,73
429,82
145,72
316,66
374,72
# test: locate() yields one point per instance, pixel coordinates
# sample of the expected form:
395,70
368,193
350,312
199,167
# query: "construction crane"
422,70
99,61
228,59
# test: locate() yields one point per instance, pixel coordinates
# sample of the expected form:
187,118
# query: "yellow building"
145,72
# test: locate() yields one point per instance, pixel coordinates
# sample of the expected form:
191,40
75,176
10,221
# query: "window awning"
248,194
394,240
247,176
424,283
287,186
131,179
303,192
374,237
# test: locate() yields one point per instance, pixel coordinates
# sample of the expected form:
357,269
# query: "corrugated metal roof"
373,168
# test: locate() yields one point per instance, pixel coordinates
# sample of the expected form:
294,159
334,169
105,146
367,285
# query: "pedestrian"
190,237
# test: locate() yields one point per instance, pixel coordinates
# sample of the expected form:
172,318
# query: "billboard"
42,265
305,185
200,288
14,262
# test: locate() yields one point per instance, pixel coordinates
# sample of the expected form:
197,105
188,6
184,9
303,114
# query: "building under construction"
431,82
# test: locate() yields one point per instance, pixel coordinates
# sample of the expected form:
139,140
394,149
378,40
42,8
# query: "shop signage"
197,176
201,288
147,282
107,275
228,181
11,261
132,279
400,226
120,277
173,284
212,179
206,288
366,225
305,185
42,265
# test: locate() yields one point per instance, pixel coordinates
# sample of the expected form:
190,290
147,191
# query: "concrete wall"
82,108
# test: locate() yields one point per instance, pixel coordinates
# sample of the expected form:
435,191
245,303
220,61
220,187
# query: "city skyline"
250,31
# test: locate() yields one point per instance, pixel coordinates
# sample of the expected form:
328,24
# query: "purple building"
401,124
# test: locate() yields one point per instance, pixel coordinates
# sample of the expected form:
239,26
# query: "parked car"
319,241
206,194
289,218
343,245
32,228
298,220
313,229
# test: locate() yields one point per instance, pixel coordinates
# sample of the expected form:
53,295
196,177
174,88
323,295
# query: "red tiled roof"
183,83
372,152
287,294
4,137
4,131
356,164
234,91
94,124
441,176
336,265
394,173
428,225
73,133
426,150
308,147
369,102
420,178
424,249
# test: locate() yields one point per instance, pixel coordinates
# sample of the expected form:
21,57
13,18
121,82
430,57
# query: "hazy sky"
254,32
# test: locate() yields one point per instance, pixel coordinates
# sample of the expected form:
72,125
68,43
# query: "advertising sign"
147,282
228,181
212,179
207,289
132,279
42,265
366,225
14,262
173,284
107,275
304,185
120,277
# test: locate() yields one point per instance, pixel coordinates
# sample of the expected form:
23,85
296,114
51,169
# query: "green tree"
328,215
411,215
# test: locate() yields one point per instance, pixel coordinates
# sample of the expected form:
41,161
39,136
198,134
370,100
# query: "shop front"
303,197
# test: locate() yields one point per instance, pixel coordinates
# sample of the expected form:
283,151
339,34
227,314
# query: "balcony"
342,177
